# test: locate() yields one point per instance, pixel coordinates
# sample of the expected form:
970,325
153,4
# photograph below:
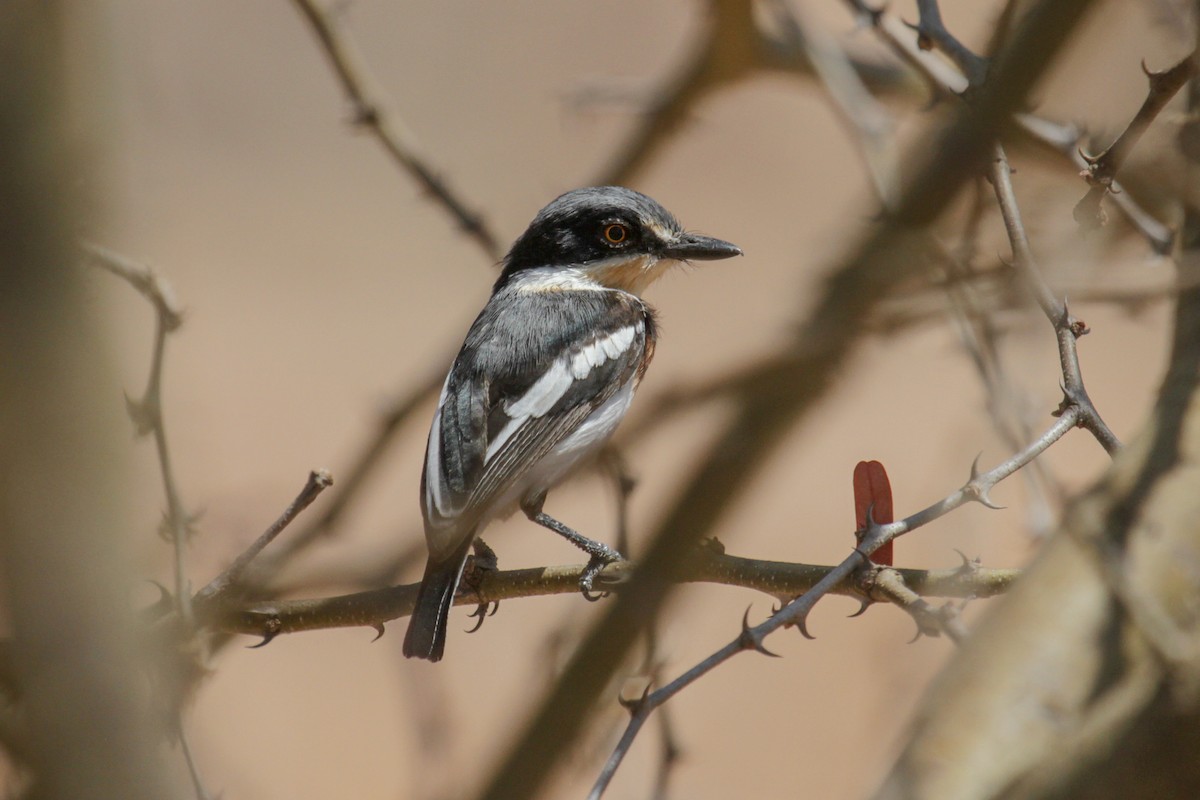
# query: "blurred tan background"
319,284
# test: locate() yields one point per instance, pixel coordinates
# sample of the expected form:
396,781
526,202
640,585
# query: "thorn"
975,467
1090,159
866,603
916,635
165,598
751,642
267,638
802,626
139,414
968,564
1150,73
632,706
987,502
378,626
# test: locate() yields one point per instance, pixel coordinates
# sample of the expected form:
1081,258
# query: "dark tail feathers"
426,636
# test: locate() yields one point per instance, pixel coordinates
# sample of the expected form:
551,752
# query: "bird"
546,372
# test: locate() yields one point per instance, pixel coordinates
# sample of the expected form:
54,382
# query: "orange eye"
615,234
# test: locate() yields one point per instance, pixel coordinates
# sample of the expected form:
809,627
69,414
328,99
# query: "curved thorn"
866,603
746,620
1089,158
495,608
987,502
916,635
1150,73
749,639
967,563
633,706
267,637
762,648
802,626
975,466
378,626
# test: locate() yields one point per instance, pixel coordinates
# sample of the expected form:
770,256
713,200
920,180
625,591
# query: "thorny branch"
147,412
870,271
780,580
1067,329
147,417
1102,169
977,489
946,82
372,113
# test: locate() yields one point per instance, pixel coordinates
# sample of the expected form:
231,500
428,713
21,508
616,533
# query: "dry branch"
823,346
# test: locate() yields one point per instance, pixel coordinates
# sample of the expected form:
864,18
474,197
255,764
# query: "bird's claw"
481,613
595,565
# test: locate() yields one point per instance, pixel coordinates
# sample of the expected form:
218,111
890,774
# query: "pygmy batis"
547,371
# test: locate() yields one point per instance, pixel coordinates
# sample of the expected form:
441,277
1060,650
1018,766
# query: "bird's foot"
479,565
601,556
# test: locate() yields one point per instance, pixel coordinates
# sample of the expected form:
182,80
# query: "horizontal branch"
781,580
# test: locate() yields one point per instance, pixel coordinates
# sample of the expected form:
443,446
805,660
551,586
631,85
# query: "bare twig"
947,82
193,772
318,481
1102,169
867,117
1067,329
931,33
362,467
147,412
372,113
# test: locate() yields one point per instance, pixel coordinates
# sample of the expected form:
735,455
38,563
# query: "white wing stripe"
433,466
550,388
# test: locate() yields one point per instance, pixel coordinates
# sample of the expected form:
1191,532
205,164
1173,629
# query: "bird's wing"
517,390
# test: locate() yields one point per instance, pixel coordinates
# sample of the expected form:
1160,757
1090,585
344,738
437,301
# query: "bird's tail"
426,636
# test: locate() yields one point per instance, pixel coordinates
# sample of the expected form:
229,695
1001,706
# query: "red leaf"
873,491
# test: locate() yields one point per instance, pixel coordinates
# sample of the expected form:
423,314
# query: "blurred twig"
931,33
372,113
945,81
1102,169
731,47
147,412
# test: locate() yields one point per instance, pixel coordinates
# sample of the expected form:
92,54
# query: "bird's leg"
599,554
478,565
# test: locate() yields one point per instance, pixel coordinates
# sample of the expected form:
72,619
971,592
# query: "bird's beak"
694,247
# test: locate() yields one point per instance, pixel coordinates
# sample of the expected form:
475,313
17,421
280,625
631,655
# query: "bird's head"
611,235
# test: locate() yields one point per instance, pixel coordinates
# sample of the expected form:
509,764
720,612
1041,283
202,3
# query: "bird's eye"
616,233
